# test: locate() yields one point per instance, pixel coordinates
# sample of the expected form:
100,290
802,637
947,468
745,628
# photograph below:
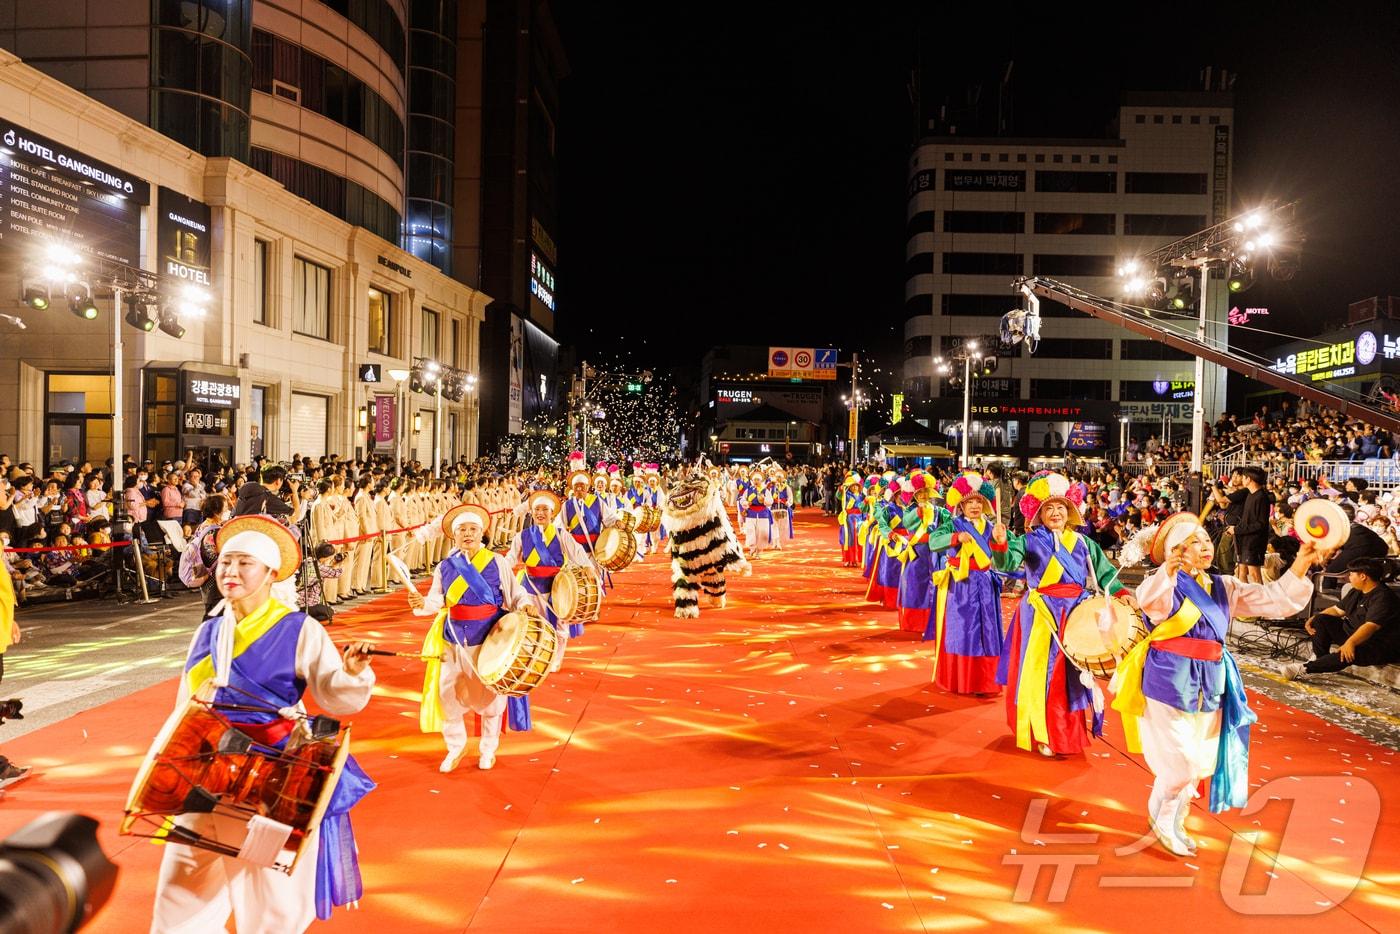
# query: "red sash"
542,570
1202,650
268,734
1061,590
464,611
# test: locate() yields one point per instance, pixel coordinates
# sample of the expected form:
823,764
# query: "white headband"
466,517
1180,533
541,499
257,545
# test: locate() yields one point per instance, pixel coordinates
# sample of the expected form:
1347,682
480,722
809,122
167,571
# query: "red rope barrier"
30,551
365,538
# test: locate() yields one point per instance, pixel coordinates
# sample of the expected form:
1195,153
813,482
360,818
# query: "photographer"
1365,626
263,498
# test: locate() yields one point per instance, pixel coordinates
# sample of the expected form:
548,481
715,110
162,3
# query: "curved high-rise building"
432,100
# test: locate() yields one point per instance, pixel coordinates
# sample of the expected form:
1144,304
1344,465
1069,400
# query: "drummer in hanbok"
542,549
891,539
756,510
852,509
1046,697
1179,690
585,513
638,496
966,628
658,498
472,588
782,503
256,651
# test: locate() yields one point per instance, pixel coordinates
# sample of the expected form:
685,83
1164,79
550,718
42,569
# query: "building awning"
917,450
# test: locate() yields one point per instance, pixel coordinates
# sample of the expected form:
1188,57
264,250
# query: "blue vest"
471,632
265,669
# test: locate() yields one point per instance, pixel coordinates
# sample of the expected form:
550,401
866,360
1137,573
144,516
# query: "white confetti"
762,845
887,905
731,833
670,881
577,881
597,820
941,898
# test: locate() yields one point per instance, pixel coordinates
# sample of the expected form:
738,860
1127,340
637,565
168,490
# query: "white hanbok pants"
1180,746
462,691
198,889
757,533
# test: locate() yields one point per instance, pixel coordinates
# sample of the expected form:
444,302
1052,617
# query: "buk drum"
576,594
1099,632
648,518
518,654
615,548
780,516
627,520
201,762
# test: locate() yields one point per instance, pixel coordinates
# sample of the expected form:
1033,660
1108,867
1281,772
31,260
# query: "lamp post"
964,354
398,376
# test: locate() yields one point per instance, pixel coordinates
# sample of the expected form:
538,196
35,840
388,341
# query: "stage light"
1241,277
142,318
171,324
37,296
79,295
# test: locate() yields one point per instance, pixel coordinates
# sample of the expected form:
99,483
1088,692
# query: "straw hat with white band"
267,540
547,498
461,515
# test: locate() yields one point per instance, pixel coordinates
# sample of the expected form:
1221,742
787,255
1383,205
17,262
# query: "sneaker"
1293,671
12,773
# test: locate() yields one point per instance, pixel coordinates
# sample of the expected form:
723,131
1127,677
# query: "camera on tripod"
10,709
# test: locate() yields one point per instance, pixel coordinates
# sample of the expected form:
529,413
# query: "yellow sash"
434,644
247,631
967,551
7,609
1030,691
1127,679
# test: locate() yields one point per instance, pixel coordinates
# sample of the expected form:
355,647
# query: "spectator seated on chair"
1365,626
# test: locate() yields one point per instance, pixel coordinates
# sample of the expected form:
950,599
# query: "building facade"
522,61
307,314
984,211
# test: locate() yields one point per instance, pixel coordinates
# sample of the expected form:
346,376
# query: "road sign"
801,363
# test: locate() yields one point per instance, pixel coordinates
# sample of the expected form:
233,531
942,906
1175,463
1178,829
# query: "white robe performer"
1178,686
479,590
197,889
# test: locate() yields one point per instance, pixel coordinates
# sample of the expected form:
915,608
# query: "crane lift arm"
1098,308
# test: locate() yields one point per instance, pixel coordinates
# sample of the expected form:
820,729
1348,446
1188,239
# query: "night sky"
739,177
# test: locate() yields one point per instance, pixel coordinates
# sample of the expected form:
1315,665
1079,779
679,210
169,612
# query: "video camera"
53,875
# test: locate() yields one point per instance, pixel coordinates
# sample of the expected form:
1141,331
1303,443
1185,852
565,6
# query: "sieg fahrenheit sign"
50,191
183,230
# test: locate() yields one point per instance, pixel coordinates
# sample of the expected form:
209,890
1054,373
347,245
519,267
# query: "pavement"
80,654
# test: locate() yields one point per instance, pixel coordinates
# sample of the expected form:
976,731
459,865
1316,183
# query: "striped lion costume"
702,542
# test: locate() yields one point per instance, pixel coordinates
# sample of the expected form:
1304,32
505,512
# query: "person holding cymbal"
1179,690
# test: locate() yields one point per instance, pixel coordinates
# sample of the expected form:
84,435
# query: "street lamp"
398,376
854,403
965,355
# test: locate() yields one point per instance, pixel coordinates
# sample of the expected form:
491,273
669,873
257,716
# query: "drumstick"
389,654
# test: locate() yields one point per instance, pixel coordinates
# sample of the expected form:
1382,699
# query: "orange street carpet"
783,764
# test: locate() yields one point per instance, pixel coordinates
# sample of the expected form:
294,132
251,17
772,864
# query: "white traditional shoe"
451,760
1162,822
1293,671
1045,751
1183,810
486,762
